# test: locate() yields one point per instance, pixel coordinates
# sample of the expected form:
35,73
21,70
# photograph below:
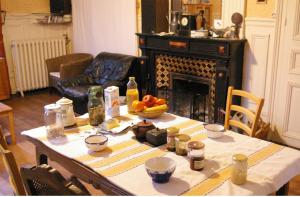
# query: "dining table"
119,169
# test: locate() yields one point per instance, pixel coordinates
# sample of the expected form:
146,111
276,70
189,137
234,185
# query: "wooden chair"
253,117
7,111
11,167
44,180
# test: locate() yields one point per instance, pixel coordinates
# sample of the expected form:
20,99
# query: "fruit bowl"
151,115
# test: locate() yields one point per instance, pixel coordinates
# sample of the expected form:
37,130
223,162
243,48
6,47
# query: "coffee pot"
68,115
174,21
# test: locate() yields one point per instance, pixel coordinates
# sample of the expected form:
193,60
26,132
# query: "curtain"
104,25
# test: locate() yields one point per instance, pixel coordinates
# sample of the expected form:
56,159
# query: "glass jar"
196,155
239,169
53,121
132,94
181,142
96,105
172,132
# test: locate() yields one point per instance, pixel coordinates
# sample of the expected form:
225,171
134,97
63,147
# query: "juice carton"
112,104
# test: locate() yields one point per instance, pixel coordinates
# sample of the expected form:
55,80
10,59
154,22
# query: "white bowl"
96,142
214,130
160,168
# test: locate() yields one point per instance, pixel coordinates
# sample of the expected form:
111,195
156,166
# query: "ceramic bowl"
96,142
214,130
160,169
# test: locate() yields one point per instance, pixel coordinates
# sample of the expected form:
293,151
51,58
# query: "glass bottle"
53,121
239,169
96,105
132,94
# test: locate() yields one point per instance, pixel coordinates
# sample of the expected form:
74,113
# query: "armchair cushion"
68,66
107,69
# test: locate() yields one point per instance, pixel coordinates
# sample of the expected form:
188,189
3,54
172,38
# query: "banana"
156,109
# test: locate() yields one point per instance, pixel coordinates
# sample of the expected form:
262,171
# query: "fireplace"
199,69
190,77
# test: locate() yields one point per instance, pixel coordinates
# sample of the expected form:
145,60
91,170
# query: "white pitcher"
68,115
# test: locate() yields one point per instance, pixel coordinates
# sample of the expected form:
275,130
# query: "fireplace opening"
188,96
190,99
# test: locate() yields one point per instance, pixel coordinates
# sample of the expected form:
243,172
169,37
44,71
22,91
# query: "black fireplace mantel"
228,55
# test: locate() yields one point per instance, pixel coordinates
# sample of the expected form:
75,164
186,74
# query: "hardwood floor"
28,112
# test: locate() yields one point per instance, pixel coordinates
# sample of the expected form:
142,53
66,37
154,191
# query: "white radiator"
29,59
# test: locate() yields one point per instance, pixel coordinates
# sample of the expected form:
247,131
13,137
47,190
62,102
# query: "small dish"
214,130
96,142
160,169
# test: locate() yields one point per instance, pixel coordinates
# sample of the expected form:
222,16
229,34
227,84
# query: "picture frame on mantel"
261,1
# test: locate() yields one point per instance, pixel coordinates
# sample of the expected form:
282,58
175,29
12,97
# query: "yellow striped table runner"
139,160
218,178
128,143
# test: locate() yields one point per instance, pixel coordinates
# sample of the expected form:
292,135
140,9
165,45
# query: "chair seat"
5,108
55,74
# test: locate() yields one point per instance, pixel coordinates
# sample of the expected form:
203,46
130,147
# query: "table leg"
40,157
284,190
12,127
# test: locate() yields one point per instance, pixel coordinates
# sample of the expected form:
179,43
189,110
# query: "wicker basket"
151,115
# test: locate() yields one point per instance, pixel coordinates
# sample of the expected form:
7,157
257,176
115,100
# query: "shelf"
44,22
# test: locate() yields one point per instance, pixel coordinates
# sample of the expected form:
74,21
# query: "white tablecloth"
263,178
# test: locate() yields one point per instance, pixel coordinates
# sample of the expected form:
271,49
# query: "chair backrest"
253,117
11,167
44,180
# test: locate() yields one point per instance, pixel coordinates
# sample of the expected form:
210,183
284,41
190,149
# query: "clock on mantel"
187,23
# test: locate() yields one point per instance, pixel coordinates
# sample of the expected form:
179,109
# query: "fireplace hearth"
192,73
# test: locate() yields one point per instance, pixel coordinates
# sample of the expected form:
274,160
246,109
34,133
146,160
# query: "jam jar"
196,155
172,132
239,169
181,142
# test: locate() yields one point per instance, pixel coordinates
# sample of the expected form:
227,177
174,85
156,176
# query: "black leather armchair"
107,69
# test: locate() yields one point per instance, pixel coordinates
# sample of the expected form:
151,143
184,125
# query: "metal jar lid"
52,107
196,145
183,138
64,101
172,131
239,157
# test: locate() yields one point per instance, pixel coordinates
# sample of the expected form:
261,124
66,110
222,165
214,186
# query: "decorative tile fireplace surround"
216,63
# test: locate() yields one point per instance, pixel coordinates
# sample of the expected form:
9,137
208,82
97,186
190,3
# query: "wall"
216,9
106,25
20,24
259,53
260,10
26,6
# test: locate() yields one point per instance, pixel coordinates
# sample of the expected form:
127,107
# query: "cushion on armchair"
107,69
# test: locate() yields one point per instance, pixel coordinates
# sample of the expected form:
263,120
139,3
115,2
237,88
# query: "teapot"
67,111
141,128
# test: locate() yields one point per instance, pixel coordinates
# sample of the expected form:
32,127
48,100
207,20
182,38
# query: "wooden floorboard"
28,113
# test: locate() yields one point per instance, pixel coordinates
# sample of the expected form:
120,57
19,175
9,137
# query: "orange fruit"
138,105
160,101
